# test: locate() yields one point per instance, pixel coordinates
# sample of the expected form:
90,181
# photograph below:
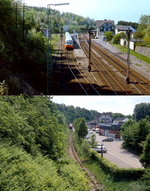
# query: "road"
118,155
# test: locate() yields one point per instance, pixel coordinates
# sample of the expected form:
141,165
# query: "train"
68,41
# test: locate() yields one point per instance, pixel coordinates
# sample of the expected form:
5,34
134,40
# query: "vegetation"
109,184
125,23
80,128
71,113
117,37
109,35
141,111
143,30
32,147
116,115
136,132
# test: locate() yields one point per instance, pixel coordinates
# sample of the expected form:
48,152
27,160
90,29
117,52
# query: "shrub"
117,37
109,35
116,172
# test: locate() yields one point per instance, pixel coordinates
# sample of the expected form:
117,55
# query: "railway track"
113,71
92,182
86,85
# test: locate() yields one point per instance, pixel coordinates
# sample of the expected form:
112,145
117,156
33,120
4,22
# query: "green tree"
109,35
117,37
93,142
141,111
82,131
81,127
145,157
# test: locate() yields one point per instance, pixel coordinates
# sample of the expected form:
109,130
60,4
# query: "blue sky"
128,10
121,104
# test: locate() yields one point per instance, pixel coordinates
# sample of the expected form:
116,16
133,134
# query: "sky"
127,10
115,104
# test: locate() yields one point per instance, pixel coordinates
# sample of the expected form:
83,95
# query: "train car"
68,41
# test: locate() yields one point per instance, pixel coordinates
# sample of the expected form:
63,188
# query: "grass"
136,54
108,183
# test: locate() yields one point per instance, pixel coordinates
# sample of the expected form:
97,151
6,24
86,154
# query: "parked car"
100,149
109,139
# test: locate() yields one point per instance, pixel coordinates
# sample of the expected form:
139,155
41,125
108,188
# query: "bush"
116,172
117,37
109,35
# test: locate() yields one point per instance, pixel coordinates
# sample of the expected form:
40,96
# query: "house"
103,26
120,120
105,117
121,28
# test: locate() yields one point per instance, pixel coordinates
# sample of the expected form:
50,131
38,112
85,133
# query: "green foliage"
81,127
115,172
109,35
32,123
83,150
32,147
117,37
75,177
125,23
93,142
71,113
143,30
145,157
116,115
134,133
20,171
141,111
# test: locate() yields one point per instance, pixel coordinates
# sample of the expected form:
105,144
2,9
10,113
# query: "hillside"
33,147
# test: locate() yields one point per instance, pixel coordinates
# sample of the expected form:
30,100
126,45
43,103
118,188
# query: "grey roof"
101,22
125,28
110,126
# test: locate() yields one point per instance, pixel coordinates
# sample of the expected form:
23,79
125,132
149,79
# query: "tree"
116,115
93,141
81,127
145,157
125,23
141,111
109,35
117,37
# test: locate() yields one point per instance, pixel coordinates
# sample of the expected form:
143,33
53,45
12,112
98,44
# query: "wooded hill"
34,147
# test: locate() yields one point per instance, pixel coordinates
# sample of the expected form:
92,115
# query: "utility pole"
61,35
101,150
128,57
23,22
89,66
16,15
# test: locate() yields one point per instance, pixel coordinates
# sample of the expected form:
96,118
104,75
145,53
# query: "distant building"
120,120
110,130
104,26
105,117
